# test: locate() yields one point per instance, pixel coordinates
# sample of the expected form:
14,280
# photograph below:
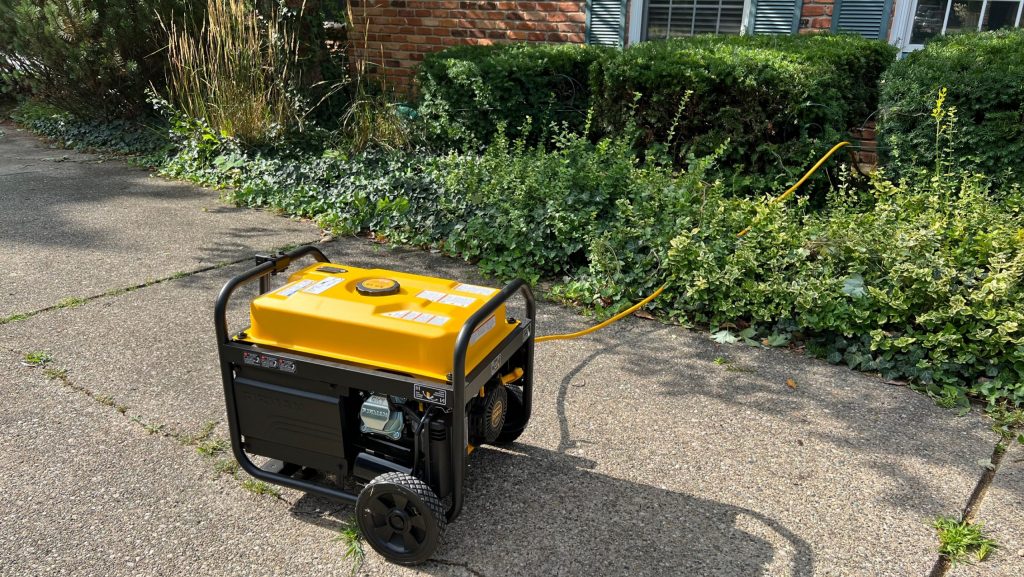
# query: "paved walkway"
653,451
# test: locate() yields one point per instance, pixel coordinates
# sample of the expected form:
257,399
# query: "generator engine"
379,418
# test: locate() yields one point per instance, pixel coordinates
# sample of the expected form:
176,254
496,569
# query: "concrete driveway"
653,450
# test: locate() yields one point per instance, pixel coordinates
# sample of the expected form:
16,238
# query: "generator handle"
265,265
459,379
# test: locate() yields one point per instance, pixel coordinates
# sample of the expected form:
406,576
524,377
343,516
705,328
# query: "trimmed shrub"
778,101
468,91
983,74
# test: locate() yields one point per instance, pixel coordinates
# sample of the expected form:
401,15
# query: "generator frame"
344,377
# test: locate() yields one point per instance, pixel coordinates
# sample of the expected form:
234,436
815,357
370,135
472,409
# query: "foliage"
959,540
351,540
776,100
237,74
917,280
982,73
118,135
468,91
531,211
91,57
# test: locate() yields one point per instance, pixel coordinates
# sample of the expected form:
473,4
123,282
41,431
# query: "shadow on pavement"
532,511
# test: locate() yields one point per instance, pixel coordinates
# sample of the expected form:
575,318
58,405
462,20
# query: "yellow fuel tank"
379,318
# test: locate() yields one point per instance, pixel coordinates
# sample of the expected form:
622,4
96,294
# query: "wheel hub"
398,520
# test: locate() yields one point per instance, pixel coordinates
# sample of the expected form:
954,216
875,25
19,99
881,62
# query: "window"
672,18
933,17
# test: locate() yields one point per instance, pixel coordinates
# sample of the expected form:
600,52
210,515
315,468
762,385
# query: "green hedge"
984,77
467,91
778,101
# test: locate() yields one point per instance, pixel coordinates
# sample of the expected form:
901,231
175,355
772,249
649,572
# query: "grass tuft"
37,358
260,488
352,540
212,447
14,318
70,303
960,540
227,466
55,373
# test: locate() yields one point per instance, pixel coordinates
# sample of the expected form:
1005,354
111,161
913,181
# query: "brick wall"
816,16
867,140
391,37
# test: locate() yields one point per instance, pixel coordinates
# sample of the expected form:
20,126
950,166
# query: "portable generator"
349,377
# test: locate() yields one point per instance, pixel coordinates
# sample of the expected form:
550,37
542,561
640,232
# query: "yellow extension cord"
781,198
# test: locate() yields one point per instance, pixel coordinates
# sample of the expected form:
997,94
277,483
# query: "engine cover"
378,418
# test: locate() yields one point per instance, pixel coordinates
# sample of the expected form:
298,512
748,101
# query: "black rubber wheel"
515,417
487,415
401,518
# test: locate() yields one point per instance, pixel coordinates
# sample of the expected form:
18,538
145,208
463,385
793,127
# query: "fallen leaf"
644,315
791,383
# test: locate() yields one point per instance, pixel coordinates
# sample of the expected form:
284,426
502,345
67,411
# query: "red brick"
546,16
821,23
811,10
570,6
537,36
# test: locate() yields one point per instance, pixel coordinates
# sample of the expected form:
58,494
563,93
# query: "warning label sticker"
459,301
483,329
418,317
431,295
477,290
323,285
290,289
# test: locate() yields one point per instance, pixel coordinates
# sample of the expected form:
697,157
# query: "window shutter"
606,21
776,16
869,18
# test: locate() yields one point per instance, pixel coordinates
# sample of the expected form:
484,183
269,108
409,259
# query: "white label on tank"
290,289
477,290
483,329
416,316
458,301
323,285
431,295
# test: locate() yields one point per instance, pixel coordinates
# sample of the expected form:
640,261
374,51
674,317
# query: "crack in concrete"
942,563
195,440
460,565
73,302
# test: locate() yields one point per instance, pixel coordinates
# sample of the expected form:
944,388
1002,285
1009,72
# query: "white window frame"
635,33
903,26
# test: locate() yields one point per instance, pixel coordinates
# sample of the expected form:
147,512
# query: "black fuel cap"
378,287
